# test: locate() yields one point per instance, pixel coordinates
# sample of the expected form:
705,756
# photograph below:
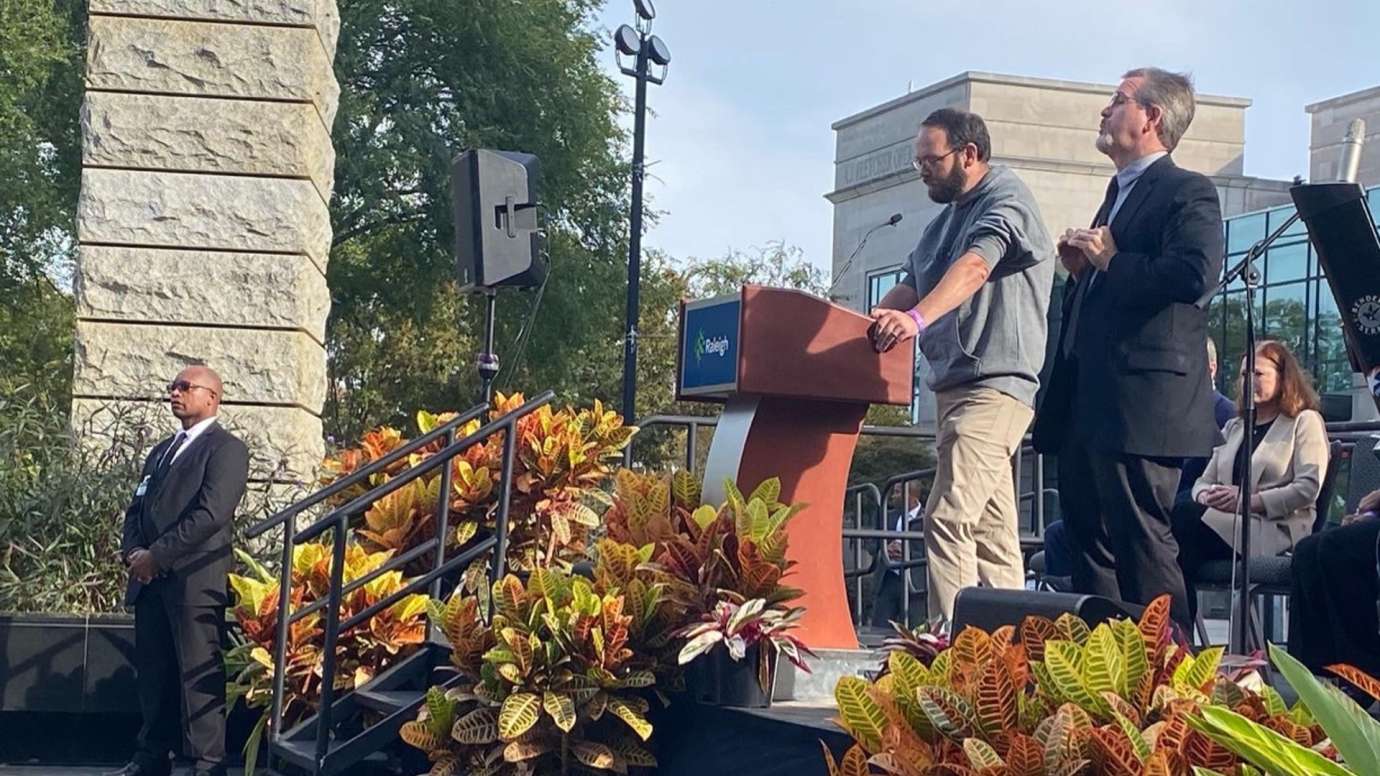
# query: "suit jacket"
1287,470
185,520
1136,381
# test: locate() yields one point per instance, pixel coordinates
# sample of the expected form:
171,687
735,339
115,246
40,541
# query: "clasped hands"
1225,498
1080,247
142,565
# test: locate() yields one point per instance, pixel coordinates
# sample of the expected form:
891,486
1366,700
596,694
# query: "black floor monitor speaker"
497,239
990,608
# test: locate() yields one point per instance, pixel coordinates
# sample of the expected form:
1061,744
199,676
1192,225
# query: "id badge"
143,487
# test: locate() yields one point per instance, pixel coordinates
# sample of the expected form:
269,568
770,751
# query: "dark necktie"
168,455
1104,213
1081,290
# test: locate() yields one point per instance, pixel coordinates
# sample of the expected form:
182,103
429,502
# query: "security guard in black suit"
177,545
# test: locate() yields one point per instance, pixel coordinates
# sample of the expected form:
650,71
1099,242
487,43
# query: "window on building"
1293,302
1244,231
1287,262
879,283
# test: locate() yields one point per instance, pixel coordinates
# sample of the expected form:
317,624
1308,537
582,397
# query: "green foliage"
560,669
420,81
561,459
777,264
1354,733
36,327
40,151
62,504
1059,697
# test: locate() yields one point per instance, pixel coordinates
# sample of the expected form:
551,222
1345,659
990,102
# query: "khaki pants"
971,532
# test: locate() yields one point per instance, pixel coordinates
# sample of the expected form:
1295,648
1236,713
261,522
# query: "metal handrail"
447,429
337,521
1352,427
858,492
392,565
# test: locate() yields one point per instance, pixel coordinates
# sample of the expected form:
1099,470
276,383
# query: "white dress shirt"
1126,179
190,436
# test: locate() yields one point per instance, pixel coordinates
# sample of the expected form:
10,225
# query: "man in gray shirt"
976,292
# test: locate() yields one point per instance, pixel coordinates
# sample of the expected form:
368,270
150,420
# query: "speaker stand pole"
487,360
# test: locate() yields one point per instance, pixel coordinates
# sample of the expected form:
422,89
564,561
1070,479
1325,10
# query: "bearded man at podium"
976,292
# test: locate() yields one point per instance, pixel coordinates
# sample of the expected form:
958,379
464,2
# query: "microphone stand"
849,264
1245,269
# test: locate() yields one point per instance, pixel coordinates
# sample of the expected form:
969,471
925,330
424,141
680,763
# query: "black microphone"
894,220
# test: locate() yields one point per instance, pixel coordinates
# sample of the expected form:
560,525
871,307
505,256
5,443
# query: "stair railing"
337,521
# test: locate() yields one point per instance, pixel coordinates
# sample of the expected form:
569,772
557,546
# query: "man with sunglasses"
975,293
176,543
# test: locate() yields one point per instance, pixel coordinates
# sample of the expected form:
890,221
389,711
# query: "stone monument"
203,226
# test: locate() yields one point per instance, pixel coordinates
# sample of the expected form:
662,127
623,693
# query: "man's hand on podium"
892,326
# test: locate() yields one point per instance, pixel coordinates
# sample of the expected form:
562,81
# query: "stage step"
792,684
387,701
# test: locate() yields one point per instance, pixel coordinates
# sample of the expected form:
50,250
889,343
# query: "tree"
40,151
777,264
421,80
40,166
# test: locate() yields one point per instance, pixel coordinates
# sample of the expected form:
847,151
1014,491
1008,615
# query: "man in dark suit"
1129,396
177,546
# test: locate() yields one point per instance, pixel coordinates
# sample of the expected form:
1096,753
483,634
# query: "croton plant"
565,671
559,674
361,651
1056,698
561,457
553,670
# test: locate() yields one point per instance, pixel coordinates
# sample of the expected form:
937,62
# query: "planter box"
65,673
717,679
67,664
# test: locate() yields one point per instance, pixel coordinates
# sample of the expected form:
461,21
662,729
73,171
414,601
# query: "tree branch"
366,228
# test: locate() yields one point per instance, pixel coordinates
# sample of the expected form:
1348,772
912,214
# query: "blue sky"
740,145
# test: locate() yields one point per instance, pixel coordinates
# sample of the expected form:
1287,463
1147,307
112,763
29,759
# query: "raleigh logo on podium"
709,347
712,346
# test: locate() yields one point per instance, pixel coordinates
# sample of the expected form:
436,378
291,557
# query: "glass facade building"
1293,302
878,284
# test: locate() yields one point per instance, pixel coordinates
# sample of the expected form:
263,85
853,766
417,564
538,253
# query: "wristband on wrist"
918,318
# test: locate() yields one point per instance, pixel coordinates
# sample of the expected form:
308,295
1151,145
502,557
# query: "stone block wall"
203,220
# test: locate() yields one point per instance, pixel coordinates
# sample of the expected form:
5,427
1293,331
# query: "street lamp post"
647,50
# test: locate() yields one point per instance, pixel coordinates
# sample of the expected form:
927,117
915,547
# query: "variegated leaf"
518,715
561,708
477,727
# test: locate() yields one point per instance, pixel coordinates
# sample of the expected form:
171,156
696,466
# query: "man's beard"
947,189
1104,141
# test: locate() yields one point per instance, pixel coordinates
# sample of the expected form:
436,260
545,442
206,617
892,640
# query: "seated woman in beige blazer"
1288,461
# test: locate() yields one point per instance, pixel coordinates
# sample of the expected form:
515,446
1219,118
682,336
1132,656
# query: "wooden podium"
796,374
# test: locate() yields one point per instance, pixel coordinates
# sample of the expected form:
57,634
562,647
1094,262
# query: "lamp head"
626,40
658,51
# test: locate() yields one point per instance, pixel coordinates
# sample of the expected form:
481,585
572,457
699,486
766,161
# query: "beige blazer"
1287,470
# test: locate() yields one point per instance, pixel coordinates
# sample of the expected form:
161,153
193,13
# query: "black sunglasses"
183,386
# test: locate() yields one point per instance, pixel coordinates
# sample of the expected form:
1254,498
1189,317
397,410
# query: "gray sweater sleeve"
1004,229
